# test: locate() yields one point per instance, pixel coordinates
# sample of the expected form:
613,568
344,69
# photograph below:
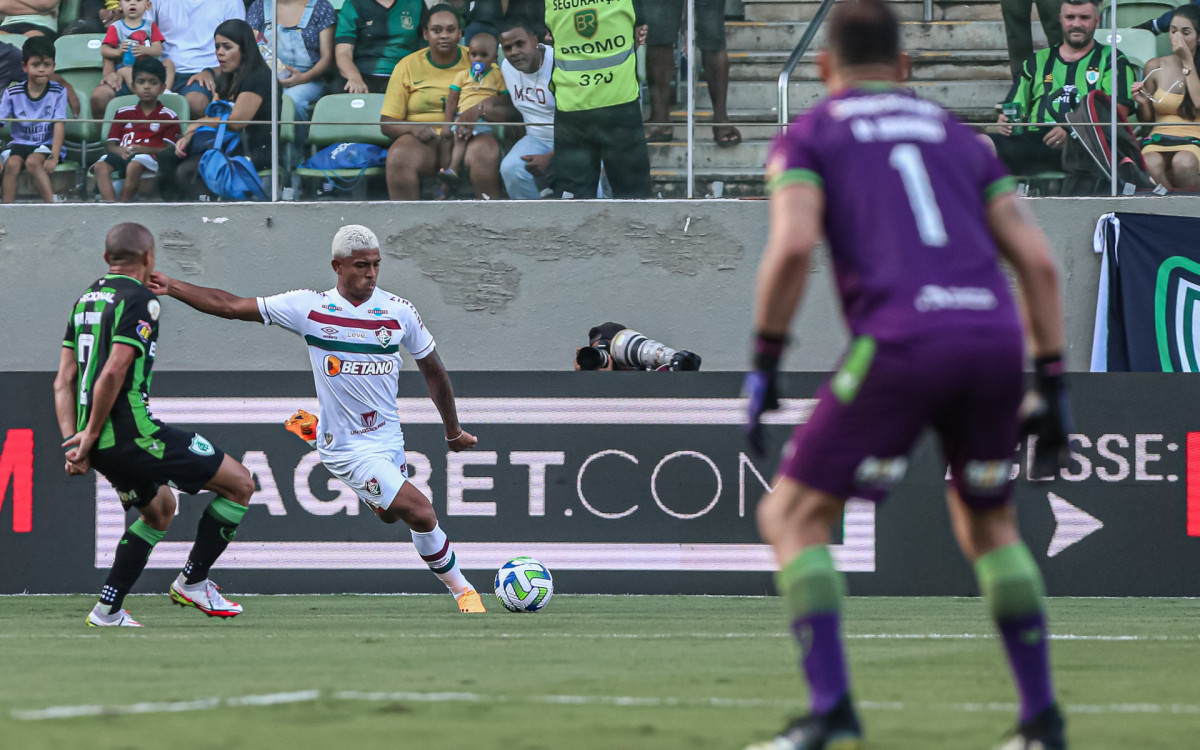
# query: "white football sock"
434,548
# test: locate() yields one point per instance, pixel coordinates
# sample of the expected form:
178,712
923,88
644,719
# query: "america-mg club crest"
587,23
1177,314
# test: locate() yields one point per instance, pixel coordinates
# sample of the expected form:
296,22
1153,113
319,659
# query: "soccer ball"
524,585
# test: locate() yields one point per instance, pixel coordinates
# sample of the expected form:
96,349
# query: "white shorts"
375,478
148,161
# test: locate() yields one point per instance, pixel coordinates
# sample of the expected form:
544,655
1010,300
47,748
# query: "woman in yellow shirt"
415,101
1172,150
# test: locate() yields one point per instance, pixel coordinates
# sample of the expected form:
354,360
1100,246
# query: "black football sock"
216,530
132,553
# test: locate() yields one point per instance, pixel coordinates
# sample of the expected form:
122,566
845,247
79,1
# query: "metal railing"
793,60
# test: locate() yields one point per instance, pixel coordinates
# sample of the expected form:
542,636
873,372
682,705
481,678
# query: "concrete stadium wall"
503,285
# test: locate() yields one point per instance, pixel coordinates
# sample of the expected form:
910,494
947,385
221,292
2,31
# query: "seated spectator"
1018,32
34,146
1045,94
30,17
1172,151
414,100
371,38
480,82
139,133
133,35
305,47
11,71
245,80
1162,24
665,18
94,17
187,27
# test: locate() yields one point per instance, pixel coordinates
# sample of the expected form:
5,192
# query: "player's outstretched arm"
795,229
442,394
216,302
1025,247
104,395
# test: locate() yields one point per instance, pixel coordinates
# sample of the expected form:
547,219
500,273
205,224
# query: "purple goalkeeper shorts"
871,412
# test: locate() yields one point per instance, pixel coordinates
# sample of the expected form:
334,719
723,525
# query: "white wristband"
456,437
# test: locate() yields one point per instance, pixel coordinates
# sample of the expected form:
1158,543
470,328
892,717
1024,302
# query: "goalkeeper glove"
761,388
304,426
1046,415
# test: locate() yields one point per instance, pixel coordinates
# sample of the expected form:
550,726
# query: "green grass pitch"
588,672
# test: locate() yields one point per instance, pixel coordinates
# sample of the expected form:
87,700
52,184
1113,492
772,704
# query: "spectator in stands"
414,99
479,83
1162,24
1018,17
372,37
665,18
1172,150
1053,82
11,70
187,27
133,35
245,80
30,17
305,46
139,133
34,146
527,68
598,113
94,17
493,16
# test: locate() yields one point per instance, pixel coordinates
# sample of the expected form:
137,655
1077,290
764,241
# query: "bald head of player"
862,45
129,250
356,262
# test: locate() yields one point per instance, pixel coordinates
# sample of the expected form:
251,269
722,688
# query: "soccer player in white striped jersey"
354,333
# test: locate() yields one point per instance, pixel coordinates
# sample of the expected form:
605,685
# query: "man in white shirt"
188,27
527,68
354,333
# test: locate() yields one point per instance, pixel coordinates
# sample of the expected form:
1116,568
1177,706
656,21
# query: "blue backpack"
360,156
230,177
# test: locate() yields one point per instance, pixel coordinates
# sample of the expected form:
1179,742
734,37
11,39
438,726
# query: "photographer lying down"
612,346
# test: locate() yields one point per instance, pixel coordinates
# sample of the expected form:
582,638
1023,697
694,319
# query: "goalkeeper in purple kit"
917,212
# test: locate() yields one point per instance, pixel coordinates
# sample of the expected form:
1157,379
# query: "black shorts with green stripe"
136,469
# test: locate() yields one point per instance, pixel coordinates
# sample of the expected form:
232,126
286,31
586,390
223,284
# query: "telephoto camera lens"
633,349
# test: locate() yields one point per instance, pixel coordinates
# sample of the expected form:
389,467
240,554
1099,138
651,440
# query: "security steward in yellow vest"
598,115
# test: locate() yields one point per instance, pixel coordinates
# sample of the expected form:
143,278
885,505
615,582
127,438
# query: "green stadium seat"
68,11
345,118
16,40
78,52
1138,45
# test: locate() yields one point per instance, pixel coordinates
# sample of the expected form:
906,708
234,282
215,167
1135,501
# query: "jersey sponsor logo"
987,477
87,319
330,332
154,308
369,418
932,298
373,487
201,447
335,366
887,103
331,307
898,128
377,311
359,335
383,335
144,330
881,471
98,297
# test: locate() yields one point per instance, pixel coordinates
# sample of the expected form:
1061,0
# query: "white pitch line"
203,704
622,701
641,636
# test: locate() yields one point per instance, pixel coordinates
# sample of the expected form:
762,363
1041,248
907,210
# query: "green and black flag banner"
1148,305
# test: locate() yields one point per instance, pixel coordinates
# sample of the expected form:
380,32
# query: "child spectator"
131,37
473,86
133,143
35,146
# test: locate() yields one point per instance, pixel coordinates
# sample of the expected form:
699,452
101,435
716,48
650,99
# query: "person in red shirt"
139,133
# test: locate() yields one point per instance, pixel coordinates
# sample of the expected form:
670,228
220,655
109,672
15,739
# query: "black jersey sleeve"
136,323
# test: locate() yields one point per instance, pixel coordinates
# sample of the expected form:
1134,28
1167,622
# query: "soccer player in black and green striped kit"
101,396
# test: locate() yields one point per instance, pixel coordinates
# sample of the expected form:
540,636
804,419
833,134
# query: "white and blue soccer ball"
524,585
